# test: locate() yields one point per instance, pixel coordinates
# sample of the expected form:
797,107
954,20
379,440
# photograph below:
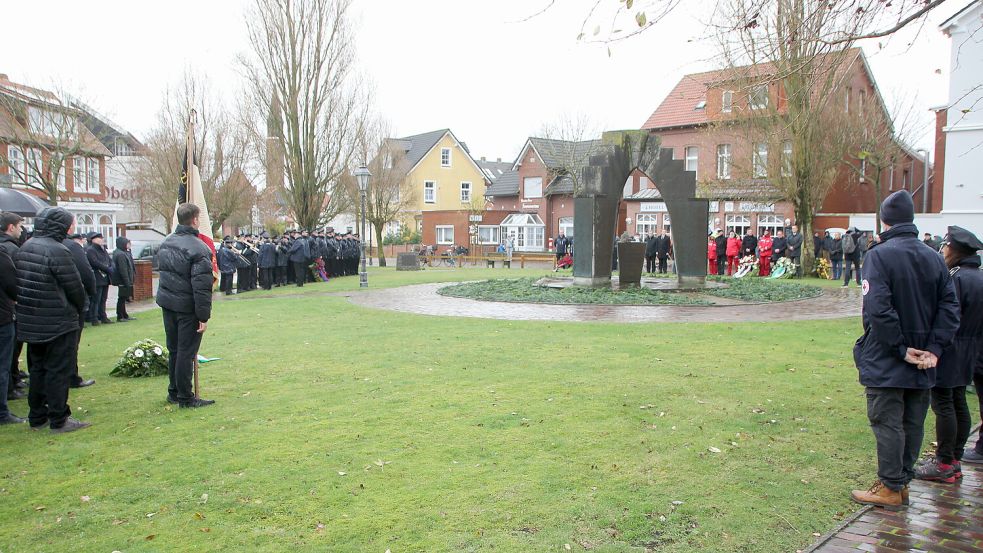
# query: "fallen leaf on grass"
341,473
150,537
205,530
712,449
85,499
204,498
199,516
40,508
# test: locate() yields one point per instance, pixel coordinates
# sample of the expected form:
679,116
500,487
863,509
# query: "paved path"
423,299
942,518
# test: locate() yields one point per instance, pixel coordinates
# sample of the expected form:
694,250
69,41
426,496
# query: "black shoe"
22,375
972,457
83,383
122,320
94,323
106,321
195,403
15,394
171,400
71,425
41,426
12,419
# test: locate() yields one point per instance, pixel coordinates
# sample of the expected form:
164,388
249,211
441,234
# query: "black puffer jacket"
85,271
185,265
8,278
51,297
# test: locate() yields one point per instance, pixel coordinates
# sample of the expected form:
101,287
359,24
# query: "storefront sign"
748,207
656,207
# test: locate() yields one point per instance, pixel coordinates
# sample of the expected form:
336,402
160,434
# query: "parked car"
145,250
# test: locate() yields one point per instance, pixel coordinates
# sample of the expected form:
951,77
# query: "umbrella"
21,203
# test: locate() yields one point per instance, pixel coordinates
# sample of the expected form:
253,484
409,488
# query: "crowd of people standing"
297,257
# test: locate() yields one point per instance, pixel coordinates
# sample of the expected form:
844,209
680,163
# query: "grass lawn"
340,428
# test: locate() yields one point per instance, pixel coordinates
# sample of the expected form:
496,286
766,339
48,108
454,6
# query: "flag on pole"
190,191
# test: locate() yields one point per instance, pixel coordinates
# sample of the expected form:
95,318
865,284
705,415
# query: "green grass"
453,435
524,290
755,289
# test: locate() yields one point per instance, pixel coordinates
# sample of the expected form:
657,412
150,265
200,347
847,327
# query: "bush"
144,358
405,236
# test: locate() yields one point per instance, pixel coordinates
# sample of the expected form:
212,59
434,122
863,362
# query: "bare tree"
222,153
299,71
45,132
567,144
389,194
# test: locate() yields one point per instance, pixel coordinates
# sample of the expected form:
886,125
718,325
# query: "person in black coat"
10,229
663,249
910,316
651,241
185,298
299,256
123,277
779,247
958,361
331,252
749,244
226,260
721,242
75,244
101,265
267,263
282,261
12,234
50,301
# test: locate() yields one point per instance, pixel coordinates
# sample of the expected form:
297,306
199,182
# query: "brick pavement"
942,518
423,299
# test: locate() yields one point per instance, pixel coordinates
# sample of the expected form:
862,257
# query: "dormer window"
702,104
727,101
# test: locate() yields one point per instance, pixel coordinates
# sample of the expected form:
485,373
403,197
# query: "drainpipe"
924,180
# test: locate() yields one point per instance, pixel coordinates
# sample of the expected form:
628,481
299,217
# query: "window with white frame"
647,224
723,161
93,176
666,223
757,97
644,183
61,174
861,100
846,99
771,223
787,158
727,101
35,120
738,224
489,234
16,164
445,234
465,192
532,187
445,157
78,174
33,166
692,155
566,226
429,192
759,160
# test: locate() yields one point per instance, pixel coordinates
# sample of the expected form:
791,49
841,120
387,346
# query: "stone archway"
596,207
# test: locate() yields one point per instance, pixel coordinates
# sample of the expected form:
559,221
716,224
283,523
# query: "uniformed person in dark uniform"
242,273
958,361
282,261
267,263
332,249
910,315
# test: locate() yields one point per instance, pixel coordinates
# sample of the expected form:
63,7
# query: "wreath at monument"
784,268
144,358
823,269
748,267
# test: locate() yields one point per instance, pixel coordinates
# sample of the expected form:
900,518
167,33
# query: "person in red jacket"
712,254
764,254
733,253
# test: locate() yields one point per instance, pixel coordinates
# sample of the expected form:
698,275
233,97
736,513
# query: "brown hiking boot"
879,495
904,496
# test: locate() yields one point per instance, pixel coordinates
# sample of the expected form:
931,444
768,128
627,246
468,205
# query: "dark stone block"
631,257
407,261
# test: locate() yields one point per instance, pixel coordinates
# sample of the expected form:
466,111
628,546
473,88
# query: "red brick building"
732,172
39,130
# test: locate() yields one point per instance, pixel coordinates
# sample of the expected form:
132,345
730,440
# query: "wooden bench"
491,258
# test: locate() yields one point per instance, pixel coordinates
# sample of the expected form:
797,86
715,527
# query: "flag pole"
189,198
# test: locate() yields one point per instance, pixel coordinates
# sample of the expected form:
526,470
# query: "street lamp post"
362,175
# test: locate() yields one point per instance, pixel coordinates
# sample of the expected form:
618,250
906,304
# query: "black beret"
964,239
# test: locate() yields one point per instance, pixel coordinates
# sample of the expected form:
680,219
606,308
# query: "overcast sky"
471,65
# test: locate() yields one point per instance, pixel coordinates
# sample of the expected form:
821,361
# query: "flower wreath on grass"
748,267
785,268
144,358
823,269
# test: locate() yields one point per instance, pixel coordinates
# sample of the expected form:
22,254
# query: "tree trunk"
378,241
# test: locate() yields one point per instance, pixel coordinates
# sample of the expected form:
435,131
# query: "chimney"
499,160
482,158
4,77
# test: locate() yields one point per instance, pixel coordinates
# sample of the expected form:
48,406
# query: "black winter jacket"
909,301
958,360
124,270
102,264
51,297
663,246
226,260
794,243
299,251
267,256
779,247
748,245
282,259
85,272
185,265
721,242
8,279
650,246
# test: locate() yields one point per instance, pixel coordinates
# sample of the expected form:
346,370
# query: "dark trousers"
952,422
8,333
281,275
51,365
721,264
663,264
225,283
897,417
183,340
266,278
650,264
837,268
97,305
300,272
978,382
290,273
242,280
121,307
75,380
851,264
